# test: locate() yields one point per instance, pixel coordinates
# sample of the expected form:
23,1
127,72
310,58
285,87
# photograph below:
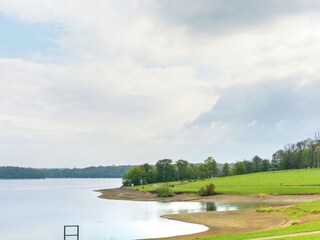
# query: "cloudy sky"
105,82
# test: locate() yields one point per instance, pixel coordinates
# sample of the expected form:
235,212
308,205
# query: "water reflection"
210,206
193,207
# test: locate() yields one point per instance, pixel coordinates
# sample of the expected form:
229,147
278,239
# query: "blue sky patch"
20,39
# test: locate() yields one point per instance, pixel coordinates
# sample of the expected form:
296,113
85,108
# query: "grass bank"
302,181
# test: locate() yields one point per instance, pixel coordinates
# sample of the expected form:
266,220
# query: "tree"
182,166
256,164
211,164
202,171
165,171
189,173
265,165
317,153
133,177
226,169
239,168
149,173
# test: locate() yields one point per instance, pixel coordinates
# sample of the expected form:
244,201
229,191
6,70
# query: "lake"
38,210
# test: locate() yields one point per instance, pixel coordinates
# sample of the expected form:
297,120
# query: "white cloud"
251,124
132,80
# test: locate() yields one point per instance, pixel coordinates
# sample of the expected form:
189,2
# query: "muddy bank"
130,194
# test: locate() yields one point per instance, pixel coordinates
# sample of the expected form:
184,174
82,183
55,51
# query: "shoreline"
219,223
133,195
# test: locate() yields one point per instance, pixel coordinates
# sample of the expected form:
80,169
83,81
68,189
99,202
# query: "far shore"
221,223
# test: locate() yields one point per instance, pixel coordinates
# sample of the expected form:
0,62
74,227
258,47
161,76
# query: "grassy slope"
303,181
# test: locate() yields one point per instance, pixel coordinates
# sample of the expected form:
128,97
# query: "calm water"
38,210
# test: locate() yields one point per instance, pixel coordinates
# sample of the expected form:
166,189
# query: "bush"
164,192
207,190
315,211
263,210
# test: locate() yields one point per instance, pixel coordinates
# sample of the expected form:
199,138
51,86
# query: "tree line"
303,154
89,172
166,170
20,173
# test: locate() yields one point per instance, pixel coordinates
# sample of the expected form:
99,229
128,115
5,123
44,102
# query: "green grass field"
303,181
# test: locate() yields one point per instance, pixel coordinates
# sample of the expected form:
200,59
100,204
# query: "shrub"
267,209
207,190
164,192
315,211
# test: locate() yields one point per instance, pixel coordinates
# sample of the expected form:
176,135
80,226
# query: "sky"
103,82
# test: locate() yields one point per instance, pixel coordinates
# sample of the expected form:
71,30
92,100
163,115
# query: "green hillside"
302,181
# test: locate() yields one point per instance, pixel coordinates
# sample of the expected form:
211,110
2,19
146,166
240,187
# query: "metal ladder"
73,233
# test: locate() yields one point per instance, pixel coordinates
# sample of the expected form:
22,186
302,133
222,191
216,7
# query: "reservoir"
38,209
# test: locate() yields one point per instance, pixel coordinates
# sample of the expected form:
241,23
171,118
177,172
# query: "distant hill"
89,172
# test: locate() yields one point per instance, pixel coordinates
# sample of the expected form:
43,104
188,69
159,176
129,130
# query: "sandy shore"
220,223
231,222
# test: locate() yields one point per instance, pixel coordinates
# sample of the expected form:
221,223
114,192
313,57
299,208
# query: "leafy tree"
149,173
182,166
189,173
239,168
226,169
202,171
317,154
265,165
211,164
308,158
248,166
256,164
133,177
165,170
